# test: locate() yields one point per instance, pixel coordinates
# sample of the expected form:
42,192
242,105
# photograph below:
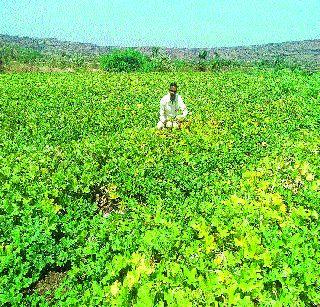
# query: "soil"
106,204
50,283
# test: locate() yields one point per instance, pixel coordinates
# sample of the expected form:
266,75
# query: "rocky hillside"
305,52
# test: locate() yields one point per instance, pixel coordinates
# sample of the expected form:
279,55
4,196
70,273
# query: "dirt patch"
50,283
107,200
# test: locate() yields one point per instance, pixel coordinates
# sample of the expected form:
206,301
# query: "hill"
306,53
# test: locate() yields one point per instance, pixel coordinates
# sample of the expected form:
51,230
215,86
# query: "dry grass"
16,67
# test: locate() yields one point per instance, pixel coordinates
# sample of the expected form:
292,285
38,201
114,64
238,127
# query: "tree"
202,55
155,51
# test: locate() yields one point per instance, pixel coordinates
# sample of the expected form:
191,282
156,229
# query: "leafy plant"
224,211
123,61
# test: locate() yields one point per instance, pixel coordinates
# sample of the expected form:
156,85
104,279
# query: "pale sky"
180,23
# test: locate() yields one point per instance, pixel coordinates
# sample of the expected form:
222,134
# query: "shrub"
278,63
182,65
124,61
218,63
160,64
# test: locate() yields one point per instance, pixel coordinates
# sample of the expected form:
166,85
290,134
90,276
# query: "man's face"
173,92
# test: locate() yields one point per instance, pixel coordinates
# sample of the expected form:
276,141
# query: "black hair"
173,84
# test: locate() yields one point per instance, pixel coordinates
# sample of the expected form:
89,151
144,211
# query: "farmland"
224,211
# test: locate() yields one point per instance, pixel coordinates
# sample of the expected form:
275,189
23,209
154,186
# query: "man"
170,104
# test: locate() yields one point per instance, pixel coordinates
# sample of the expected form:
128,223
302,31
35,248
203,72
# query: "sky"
163,23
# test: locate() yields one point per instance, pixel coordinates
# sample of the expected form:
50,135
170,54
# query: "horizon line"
150,46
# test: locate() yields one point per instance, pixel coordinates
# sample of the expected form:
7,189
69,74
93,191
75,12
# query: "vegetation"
15,58
13,52
127,60
278,63
223,212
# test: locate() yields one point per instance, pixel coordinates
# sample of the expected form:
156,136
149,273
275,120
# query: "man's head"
173,90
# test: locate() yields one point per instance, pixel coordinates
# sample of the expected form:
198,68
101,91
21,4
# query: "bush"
278,63
218,63
124,61
182,65
160,64
164,63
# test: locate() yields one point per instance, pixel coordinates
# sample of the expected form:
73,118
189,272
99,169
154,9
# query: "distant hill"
305,52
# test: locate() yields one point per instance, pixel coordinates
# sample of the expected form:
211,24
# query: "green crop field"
100,208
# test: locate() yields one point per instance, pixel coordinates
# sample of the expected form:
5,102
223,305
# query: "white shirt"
169,109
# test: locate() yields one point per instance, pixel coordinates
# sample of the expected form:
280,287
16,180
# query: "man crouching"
170,104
